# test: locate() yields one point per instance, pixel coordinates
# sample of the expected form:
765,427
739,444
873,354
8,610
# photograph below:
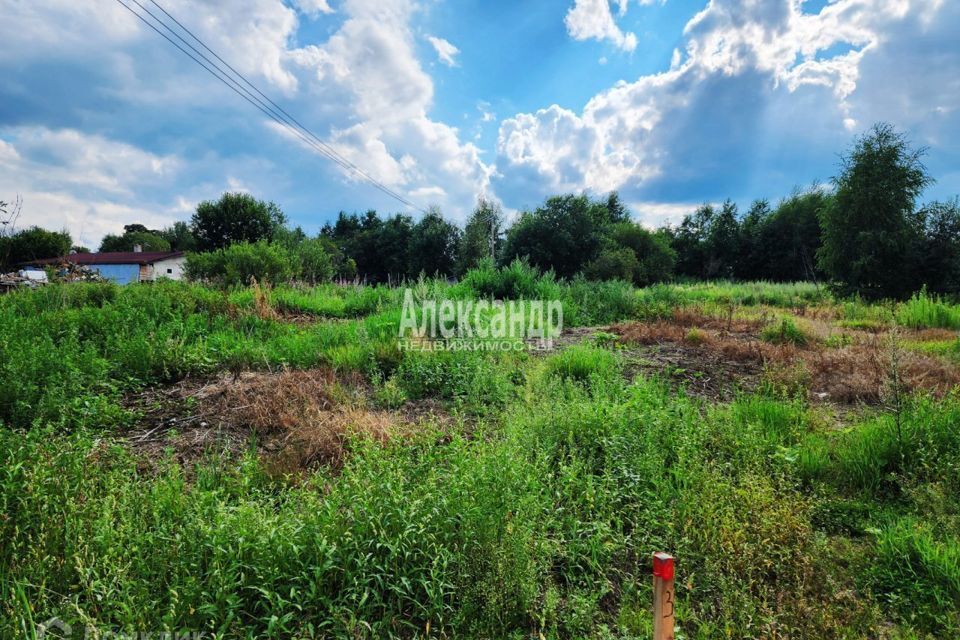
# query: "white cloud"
362,89
486,114
446,52
313,8
624,135
69,180
66,156
654,215
251,34
592,19
370,68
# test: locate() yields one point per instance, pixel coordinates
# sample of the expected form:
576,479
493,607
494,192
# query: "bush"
242,262
613,264
516,281
316,265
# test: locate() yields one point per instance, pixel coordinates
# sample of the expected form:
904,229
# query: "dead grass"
299,419
856,373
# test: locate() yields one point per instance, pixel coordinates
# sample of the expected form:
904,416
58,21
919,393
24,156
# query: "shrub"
516,281
242,262
619,263
316,264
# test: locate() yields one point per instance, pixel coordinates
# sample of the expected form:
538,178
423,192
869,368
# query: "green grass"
580,363
785,331
918,571
924,311
772,294
529,509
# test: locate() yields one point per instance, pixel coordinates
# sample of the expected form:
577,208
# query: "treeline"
864,235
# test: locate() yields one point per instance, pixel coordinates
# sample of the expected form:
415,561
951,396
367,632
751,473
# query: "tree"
756,252
392,241
792,237
723,243
653,256
36,243
689,241
180,237
146,240
939,257
434,246
617,212
870,235
235,217
482,235
564,234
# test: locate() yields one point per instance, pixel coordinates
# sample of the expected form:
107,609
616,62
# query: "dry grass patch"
298,419
851,373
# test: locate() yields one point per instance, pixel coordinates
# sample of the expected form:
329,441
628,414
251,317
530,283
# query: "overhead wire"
258,99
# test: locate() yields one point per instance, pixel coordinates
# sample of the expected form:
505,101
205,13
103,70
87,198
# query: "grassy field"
269,464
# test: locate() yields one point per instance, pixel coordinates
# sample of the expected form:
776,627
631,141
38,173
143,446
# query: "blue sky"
670,102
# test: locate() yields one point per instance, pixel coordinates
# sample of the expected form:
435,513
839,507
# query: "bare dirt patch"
298,420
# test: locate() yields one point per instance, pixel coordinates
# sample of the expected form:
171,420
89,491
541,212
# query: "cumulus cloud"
737,55
314,8
592,19
70,180
362,88
446,52
370,67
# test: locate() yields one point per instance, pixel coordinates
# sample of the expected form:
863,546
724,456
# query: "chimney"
138,248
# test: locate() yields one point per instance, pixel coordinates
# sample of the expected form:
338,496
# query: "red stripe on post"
663,565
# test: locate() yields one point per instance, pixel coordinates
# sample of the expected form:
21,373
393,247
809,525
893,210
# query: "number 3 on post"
663,599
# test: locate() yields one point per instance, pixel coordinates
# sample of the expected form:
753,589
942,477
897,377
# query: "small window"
169,270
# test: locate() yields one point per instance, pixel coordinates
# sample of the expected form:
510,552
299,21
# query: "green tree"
870,233
34,243
434,246
939,258
689,240
483,225
179,236
146,240
316,264
617,212
724,246
392,240
564,234
235,217
654,257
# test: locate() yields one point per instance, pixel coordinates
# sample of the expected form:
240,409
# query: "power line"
263,103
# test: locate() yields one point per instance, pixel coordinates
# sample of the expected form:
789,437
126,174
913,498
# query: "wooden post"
663,598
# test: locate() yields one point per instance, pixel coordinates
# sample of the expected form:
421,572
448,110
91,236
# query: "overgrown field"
269,464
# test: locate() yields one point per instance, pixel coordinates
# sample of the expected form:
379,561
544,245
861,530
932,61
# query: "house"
126,266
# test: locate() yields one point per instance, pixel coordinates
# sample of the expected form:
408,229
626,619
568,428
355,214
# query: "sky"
672,103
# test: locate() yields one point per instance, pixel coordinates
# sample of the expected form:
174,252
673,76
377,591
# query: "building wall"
119,273
171,269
